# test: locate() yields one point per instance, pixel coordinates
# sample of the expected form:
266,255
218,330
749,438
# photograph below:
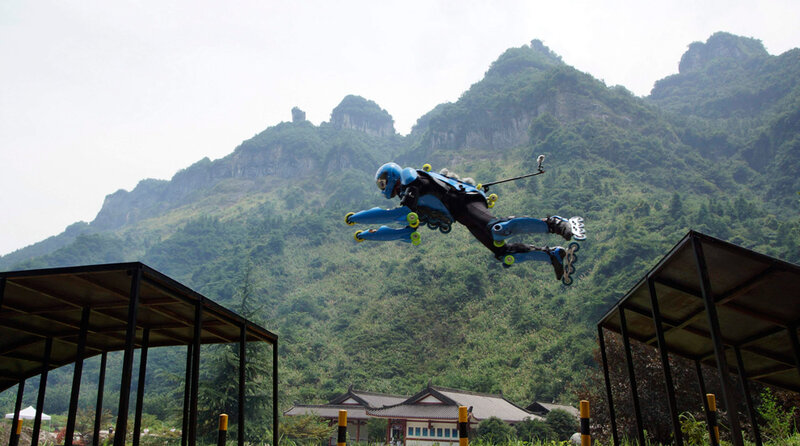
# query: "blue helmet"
387,177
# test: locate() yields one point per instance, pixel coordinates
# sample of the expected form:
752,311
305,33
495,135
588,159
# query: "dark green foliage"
534,430
85,250
563,423
493,430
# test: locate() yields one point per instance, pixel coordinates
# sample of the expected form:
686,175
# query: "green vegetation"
391,317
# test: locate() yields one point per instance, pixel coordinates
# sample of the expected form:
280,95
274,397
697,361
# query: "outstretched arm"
378,215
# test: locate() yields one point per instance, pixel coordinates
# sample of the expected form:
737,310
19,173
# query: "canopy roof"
28,413
39,304
757,299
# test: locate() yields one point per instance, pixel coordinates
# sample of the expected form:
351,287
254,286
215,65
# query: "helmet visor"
381,182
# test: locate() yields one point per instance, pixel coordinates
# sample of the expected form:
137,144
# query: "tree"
376,428
562,423
534,430
494,430
307,429
219,388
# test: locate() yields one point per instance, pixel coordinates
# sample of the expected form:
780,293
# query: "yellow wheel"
426,167
479,186
347,218
355,236
499,243
508,260
416,238
490,200
413,219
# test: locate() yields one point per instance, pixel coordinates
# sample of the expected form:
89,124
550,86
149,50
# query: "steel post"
606,377
98,410
664,353
127,360
76,377
137,418
719,349
751,412
37,422
632,376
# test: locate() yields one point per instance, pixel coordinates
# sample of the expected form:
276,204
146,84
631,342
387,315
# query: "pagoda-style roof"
441,403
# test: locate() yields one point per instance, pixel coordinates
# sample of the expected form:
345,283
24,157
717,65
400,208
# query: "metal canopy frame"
720,305
53,317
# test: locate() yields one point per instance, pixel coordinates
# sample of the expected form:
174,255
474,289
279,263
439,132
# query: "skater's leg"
504,229
385,234
519,252
567,228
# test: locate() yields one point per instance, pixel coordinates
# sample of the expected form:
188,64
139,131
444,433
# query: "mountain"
714,148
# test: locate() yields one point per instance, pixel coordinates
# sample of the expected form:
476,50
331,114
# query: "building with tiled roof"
355,402
431,416
542,409
428,417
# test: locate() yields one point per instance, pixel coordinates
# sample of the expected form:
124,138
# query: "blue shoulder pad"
407,176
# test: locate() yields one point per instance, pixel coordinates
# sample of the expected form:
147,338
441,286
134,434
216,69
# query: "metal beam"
631,376
13,438
77,373
607,379
98,410
242,379
198,322
127,359
187,391
716,337
751,411
137,419
275,391
664,353
707,410
37,422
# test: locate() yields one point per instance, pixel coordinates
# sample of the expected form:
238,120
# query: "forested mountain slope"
390,317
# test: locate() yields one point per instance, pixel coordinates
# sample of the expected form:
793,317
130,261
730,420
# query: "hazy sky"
97,95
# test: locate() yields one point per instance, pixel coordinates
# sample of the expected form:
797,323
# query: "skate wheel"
347,218
413,219
493,197
479,186
426,167
355,236
566,280
432,226
573,247
508,260
499,243
416,238
445,229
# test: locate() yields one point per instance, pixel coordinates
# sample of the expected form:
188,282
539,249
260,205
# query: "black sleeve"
413,191
410,197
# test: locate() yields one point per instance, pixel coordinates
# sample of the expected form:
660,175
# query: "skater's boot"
557,260
559,225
